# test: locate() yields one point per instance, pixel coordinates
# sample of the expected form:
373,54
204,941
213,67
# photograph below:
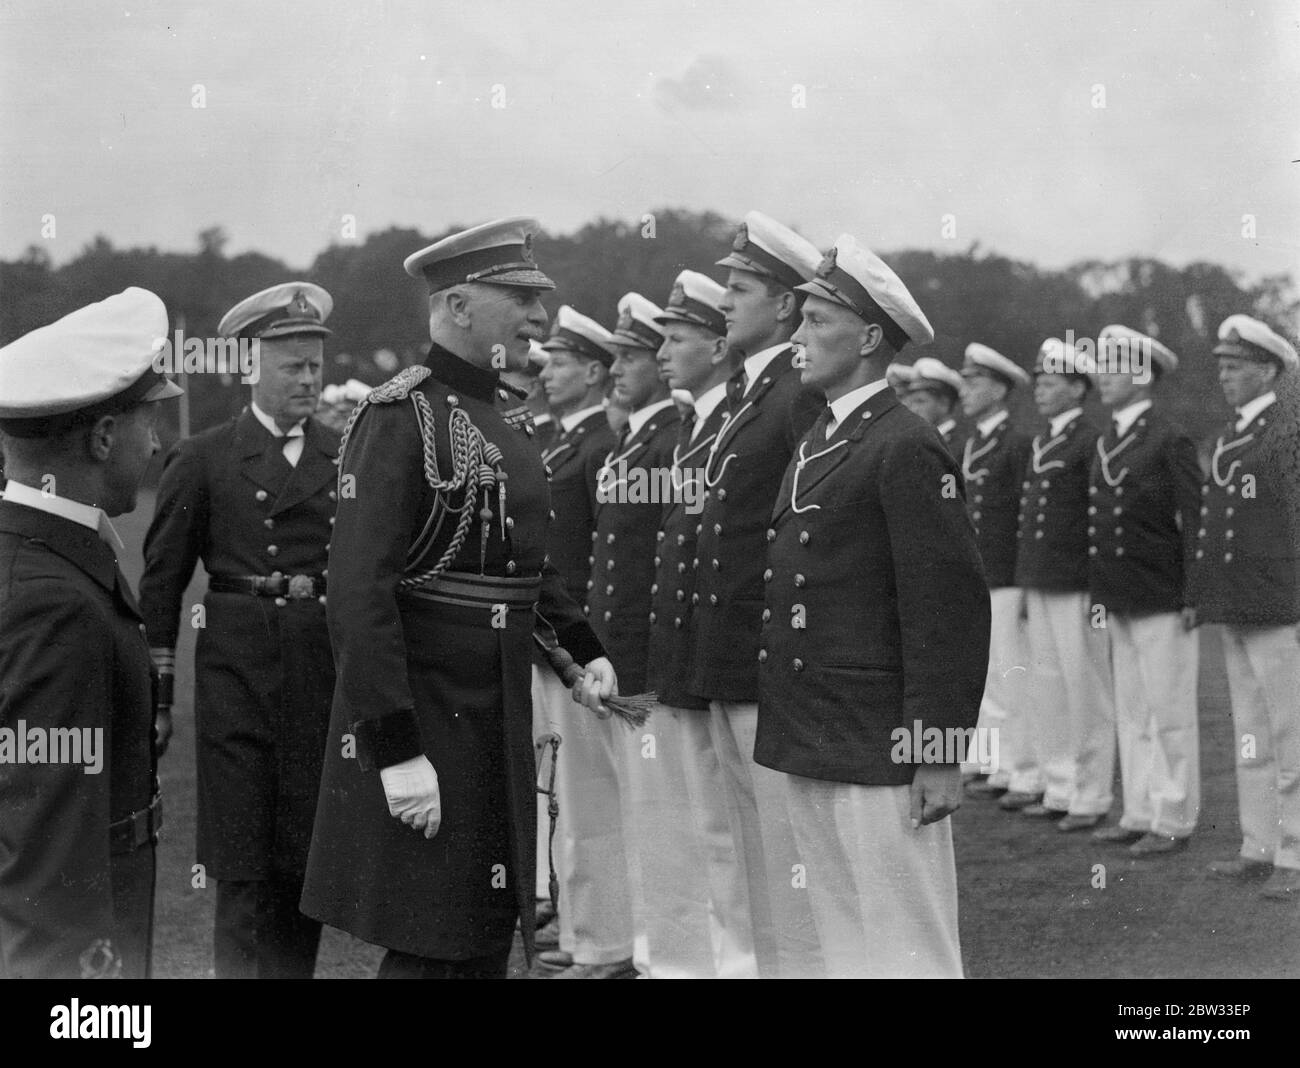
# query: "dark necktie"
1114,428
686,429
818,432
735,389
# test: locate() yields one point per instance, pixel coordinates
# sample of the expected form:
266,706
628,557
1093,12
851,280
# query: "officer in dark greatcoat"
79,809
438,583
254,498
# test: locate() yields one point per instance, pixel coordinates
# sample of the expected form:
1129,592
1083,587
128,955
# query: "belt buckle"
301,587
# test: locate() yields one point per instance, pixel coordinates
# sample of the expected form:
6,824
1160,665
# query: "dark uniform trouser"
398,965
259,932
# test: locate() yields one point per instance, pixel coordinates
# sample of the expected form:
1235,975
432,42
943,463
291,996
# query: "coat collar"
451,370
79,545
287,485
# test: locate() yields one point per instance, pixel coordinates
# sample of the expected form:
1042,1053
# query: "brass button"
593,535
797,664
609,539
681,539
1201,533
272,550
1119,550
321,599
804,537
975,515
510,567
717,528
1117,511
609,590
659,536
762,655
334,495
1227,533
713,598
1200,553
1092,509
1092,491
677,622
1092,531
767,614
609,616
717,566
652,617
609,564
331,520
590,583
654,589
1119,491
260,495
1038,534
771,534
510,523
681,568
722,495
658,560
268,523
767,575
1228,512
1227,558
695,598
799,580
1092,550
280,602
1042,501
681,595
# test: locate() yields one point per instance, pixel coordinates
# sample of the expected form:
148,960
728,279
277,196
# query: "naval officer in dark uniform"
77,412
438,583
933,390
875,637
254,498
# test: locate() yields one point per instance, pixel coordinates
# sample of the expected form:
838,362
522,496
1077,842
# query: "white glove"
411,788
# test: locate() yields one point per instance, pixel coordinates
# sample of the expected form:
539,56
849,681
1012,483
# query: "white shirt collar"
568,422
1125,417
636,420
542,420
295,431
988,424
1249,411
87,515
706,403
755,365
846,405
946,427
1060,422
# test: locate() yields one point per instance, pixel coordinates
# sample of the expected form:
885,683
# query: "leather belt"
479,591
294,587
137,829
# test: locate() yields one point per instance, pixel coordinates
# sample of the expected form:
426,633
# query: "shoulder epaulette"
399,386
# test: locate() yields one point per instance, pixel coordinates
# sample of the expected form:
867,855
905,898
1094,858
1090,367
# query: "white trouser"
590,859
713,817
884,896
1264,682
1072,711
785,937
1154,661
1004,705
673,929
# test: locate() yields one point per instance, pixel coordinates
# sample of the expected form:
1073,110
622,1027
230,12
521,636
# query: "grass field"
1028,905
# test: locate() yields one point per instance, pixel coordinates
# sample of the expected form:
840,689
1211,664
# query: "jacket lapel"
255,462
743,410
77,544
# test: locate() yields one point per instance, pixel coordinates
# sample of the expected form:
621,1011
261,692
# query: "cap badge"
827,266
528,249
300,307
679,294
624,321
741,239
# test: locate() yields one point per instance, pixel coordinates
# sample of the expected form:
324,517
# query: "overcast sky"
914,111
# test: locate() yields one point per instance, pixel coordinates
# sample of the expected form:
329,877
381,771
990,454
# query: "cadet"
1142,523
1071,712
1244,576
595,925
629,505
993,465
438,581
77,413
254,498
875,636
768,411
933,392
684,933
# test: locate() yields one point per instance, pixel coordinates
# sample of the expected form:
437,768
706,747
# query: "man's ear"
591,372
872,335
100,437
787,306
719,353
458,307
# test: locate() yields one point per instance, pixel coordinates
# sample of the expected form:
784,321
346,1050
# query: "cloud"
710,83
